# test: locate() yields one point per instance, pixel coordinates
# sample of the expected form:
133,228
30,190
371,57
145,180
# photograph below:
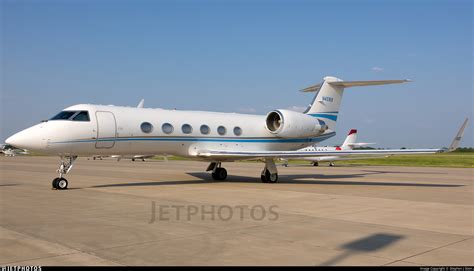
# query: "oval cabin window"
146,127
221,130
187,129
205,129
167,128
237,131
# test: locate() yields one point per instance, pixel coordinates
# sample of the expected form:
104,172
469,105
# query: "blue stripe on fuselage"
203,139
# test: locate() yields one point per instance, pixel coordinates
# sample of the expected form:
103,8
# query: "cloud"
368,120
376,69
248,110
297,108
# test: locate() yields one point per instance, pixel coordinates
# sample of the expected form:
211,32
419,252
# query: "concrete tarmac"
173,213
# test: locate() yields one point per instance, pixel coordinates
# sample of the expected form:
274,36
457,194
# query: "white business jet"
86,129
348,144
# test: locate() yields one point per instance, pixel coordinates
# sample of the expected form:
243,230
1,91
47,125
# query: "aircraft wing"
224,154
339,158
237,155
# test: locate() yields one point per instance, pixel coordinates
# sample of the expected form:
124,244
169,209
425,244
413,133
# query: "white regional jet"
11,151
86,130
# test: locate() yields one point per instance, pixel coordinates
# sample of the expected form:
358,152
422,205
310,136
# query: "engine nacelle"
290,124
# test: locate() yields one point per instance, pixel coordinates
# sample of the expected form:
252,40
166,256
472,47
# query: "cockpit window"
72,115
81,116
64,115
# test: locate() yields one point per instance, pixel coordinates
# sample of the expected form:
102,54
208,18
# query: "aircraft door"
106,130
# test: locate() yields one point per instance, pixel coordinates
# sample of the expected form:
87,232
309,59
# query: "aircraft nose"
27,139
10,140
18,140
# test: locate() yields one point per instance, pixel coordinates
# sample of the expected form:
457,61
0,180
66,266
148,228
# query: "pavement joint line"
77,251
433,249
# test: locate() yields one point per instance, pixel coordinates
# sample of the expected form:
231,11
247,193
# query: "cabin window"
63,115
81,116
167,128
221,130
237,131
187,129
146,127
205,129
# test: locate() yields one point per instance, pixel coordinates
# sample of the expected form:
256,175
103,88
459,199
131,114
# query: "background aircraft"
348,144
9,150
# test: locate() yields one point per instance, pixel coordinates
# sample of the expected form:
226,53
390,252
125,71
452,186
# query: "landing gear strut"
331,164
218,173
269,173
61,183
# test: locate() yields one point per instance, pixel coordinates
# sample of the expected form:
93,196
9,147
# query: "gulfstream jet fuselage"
87,130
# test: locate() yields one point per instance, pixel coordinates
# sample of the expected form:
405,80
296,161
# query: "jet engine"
290,124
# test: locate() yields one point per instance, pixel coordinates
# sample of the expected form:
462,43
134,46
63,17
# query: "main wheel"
61,183
271,177
264,180
219,174
331,164
315,164
55,183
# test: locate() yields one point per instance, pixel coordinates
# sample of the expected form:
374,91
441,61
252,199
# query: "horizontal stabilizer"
359,144
347,84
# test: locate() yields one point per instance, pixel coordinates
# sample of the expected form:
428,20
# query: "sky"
244,56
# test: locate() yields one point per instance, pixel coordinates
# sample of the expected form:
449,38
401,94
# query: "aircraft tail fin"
350,139
141,103
455,144
328,97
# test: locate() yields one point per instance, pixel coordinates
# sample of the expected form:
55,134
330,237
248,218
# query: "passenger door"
106,130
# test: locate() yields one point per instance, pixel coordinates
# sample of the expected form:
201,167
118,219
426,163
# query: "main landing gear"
218,173
269,173
61,183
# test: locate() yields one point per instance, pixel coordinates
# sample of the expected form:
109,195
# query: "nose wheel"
60,183
65,166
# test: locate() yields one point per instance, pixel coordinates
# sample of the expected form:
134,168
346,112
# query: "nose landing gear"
61,183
